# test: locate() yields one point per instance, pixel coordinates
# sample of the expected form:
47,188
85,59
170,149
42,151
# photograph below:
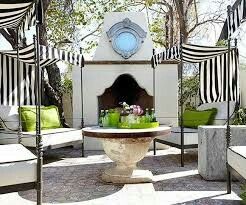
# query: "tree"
61,21
80,22
83,23
52,87
167,20
182,17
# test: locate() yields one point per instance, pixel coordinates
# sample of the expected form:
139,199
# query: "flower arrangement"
133,116
136,109
129,116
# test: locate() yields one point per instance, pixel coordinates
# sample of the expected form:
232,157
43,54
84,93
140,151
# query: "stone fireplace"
124,89
120,72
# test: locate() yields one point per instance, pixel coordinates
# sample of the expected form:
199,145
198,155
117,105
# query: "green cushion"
49,118
194,118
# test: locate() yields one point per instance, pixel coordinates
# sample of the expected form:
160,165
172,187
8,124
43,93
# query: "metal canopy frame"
39,150
82,106
228,128
181,146
39,142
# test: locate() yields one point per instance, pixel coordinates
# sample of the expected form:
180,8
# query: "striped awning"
190,53
234,21
196,53
48,55
172,53
213,64
8,71
17,13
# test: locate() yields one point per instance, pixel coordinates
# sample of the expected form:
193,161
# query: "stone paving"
72,180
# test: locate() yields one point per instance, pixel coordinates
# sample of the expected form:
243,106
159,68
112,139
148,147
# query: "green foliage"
243,195
222,43
240,117
149,3
190,91
190,106
94,12
80,20
61,21
157,31
67,84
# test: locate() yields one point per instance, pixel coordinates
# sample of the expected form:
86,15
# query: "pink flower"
137,110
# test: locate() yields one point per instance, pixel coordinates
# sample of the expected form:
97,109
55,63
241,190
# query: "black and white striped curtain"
8,82
213,70
233,21
8,71
17,14
48,56
214,78
172,53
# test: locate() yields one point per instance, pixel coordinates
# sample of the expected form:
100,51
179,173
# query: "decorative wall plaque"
126,37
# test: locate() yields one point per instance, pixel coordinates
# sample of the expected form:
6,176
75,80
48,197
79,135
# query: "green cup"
113,119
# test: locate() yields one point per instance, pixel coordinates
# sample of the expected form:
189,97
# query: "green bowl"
142,125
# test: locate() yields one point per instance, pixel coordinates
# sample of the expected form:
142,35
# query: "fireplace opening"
124,89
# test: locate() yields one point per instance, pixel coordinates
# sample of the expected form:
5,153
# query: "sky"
209,38
215,31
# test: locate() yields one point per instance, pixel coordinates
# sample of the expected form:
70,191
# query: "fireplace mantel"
106,66
144,62
98,77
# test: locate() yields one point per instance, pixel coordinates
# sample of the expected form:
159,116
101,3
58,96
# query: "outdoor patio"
70,179
153,84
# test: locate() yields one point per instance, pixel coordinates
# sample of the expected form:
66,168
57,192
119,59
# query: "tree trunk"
171,32
52,89
179,4
167,31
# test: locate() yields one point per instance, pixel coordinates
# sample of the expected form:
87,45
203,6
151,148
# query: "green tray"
141,125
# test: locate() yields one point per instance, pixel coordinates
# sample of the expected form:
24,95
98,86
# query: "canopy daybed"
214,84
219,82
52,138
16,161
20,83
236,155
210,89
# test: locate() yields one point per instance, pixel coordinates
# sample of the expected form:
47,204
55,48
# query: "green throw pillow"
49,118
194,118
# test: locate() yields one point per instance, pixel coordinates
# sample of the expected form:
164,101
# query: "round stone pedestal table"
126,147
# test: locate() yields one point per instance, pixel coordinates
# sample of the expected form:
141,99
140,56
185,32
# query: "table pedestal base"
126,152
127,175
126,147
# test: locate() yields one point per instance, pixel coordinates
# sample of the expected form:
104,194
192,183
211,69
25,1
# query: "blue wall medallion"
126,37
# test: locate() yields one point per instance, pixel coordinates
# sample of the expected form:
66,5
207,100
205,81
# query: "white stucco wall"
107,67
96,78
105,51
243,87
